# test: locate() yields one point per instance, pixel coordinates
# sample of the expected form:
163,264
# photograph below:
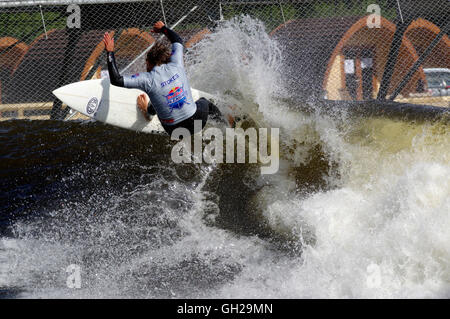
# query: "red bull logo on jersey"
176,98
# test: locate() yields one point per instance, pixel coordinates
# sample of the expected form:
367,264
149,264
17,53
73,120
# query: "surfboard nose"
59,92
65,92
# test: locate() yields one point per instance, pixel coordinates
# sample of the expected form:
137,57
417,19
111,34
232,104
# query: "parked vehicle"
438,81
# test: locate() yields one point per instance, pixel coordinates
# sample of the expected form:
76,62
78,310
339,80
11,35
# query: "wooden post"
358,73
66,77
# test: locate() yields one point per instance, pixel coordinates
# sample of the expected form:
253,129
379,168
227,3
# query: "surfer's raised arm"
114,75
174,38
170,34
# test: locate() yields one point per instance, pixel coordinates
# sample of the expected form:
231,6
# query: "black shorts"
204,109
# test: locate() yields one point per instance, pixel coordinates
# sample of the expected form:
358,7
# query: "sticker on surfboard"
92,106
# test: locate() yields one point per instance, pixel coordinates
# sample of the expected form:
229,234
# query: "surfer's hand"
142,102
158,26
109,42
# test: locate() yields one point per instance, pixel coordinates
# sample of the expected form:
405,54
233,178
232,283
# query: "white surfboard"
117,106
110,104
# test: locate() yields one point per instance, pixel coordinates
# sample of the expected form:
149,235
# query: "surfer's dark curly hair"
159,54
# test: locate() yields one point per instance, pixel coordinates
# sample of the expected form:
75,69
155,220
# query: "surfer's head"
158,54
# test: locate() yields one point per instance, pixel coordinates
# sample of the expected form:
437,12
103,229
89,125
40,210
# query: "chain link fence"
337,50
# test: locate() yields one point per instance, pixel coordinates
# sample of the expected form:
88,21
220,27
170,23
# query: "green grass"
27,26
272,17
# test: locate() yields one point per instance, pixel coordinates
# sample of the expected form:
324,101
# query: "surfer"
168,93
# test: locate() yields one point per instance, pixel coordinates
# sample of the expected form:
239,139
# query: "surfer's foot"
142,102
